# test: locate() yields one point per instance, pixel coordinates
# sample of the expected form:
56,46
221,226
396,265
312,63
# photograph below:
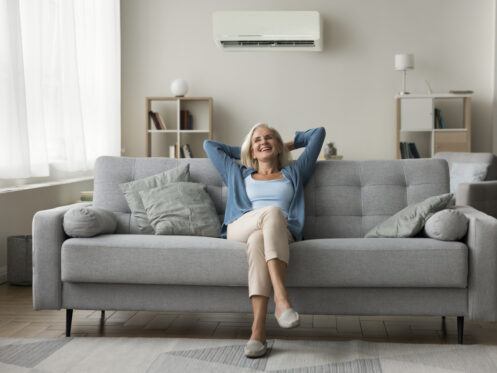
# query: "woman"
265,209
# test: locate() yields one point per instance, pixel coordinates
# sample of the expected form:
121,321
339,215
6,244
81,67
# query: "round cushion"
447,225
88,221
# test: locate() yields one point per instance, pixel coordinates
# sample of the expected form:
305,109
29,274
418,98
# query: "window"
59,86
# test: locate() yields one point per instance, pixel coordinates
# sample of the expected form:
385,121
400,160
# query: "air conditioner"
268,30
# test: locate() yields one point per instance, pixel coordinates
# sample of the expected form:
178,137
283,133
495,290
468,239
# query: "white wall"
348,88
19,207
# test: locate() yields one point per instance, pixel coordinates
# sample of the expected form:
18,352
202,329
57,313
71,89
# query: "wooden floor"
19,320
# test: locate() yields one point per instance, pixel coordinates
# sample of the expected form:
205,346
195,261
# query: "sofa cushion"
378,262
184,260
181,209
410,221
88,221
466,173
447,225
132,189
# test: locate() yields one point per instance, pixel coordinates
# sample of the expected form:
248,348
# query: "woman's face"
265,146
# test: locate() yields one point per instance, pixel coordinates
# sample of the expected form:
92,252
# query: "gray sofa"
333,271
481,195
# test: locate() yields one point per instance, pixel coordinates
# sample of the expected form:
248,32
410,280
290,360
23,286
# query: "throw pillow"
410,221
88,221
132,191
466,173
181,208
447,225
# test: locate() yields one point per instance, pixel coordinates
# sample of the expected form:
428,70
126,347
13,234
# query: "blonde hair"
246,152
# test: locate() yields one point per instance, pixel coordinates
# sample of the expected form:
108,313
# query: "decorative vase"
179,88
330,150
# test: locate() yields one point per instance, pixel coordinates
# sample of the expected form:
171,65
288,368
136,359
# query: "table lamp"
402,63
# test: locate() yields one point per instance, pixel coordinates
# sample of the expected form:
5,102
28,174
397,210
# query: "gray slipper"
288,319
255,348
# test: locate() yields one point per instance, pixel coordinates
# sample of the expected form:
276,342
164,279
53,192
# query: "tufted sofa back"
343,198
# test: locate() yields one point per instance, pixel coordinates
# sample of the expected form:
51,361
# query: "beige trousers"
267,236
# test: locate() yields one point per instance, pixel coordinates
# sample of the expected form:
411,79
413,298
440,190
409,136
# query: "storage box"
19,260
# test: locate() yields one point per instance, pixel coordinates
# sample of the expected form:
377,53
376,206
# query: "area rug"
224,355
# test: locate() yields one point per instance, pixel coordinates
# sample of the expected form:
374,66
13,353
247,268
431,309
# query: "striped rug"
223,355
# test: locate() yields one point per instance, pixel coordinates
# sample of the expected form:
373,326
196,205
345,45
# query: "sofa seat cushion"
187,260
378,262
147,259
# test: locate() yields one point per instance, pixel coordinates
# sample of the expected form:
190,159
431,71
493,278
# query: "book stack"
86,196
186,120
408,150
157,120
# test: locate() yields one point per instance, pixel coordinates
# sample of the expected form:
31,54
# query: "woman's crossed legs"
267,237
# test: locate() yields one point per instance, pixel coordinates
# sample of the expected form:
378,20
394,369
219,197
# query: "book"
86,196
162,122
190,122
439,121
155,121
187,151
413,150
184,119
403,151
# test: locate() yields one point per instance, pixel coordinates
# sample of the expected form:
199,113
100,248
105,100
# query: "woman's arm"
222,156
290,146
312,140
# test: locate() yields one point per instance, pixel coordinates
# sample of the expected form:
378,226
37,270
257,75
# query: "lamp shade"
404,61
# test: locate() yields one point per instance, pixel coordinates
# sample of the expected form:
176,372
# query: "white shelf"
171,109
194,131
175,131
449,129
415,122
434,95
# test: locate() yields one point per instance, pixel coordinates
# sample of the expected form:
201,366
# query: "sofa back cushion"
462,157
343,198
346,199
112,171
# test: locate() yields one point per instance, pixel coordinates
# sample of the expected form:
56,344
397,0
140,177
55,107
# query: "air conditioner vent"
267,43
272,30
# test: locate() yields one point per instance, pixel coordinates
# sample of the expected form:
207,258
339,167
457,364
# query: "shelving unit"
159,141
415,122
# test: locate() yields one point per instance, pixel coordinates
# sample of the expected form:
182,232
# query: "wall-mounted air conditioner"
268,30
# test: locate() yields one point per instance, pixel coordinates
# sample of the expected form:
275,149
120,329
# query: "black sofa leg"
102,322
460,329
444,327
68,322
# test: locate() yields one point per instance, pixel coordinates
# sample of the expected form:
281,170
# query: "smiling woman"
262,134
265,209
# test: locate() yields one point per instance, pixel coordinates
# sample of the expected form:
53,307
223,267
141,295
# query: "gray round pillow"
447,225
88,221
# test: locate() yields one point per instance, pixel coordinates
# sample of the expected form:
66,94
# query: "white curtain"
59,85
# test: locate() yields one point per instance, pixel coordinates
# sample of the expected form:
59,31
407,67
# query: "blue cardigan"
224,157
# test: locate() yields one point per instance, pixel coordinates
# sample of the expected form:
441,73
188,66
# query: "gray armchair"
480,195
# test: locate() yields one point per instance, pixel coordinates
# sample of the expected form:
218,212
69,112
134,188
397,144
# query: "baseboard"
3,274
